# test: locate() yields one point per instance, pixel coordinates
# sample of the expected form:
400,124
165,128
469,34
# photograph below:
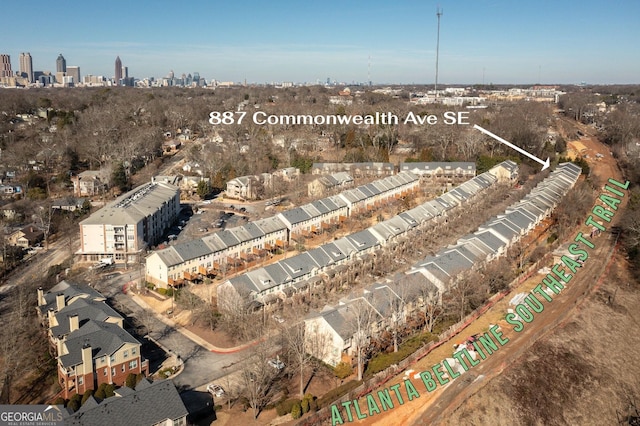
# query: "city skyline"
480,42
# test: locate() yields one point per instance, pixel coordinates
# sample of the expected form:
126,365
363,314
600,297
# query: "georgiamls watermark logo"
31,415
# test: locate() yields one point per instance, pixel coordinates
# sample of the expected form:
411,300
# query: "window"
80,380
126,354
133,351
113,371
123,368
104,372
113,358
133,364
103,359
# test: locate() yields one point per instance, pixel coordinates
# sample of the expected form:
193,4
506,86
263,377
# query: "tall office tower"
118,71
26,66
5,66
125,72
75,73
61,64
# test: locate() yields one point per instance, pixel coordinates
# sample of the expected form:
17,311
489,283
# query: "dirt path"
437,407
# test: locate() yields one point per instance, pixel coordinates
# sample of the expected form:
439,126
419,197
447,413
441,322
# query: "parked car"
276,363
278,319
215,390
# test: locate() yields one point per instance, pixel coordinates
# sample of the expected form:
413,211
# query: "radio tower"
438,14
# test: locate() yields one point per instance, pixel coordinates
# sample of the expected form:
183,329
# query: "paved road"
200,365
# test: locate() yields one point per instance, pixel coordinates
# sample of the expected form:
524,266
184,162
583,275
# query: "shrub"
286,406
342,370
60,401
382,361
75,403
296,411
304,405
336,393
109,390
86,396
131,381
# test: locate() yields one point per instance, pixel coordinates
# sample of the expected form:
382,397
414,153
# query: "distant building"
441,172
90,183
61,64
243,188
375,169
118,71
124,228
326,184
5,66
74,72
26,237
26,66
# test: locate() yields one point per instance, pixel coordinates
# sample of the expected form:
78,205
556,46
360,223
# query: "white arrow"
545,164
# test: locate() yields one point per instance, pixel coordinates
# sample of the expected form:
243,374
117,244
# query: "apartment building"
126,227
88,338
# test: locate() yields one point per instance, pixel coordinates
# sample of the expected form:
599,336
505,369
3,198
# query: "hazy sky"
500,41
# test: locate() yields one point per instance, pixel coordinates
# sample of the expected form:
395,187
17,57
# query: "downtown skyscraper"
5,66
118,71
26,66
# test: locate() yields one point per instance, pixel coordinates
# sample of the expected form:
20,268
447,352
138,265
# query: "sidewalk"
185,332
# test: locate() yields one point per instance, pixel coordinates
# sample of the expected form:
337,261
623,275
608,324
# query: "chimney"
60,301
74,323
41,300
87,359
59,346
50,317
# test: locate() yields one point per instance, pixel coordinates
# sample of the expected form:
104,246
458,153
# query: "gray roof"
135,205
295,215
270,224
363,240
85,309
298,265
149,404
103,337
493,242
452,262
228,238
192,249
215,243
69,290
431,166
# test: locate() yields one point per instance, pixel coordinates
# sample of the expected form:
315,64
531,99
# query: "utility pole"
438,14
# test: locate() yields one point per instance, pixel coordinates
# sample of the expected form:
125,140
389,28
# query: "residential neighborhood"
157,268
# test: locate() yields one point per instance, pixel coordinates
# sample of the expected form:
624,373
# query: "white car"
276,363
215,390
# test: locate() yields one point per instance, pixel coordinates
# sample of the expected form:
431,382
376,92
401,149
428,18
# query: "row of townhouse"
441,172
355,169
434,275
334,334
88,338
329,261
124,228
245,246
434,171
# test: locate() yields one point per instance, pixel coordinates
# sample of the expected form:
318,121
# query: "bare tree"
431,303
258,378
302,348
361,317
